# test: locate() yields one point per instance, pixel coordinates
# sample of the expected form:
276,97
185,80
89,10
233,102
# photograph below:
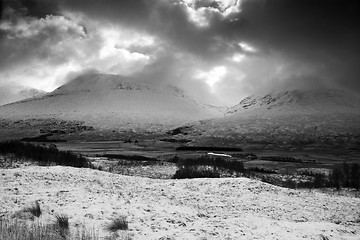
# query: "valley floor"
236,208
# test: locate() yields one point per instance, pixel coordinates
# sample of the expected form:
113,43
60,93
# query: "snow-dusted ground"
225,208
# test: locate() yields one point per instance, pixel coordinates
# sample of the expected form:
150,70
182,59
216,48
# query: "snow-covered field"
237,208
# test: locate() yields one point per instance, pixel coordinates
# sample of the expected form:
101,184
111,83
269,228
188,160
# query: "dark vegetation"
42,138
200,148
285,159
196,172
173,140
129,157
206,166
342,176
119,223
34,210
346,176
62,225
43,155
261,170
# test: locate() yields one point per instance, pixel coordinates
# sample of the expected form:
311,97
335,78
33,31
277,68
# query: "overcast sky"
220,51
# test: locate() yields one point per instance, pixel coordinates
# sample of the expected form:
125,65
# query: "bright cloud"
247,47
41,52
212,77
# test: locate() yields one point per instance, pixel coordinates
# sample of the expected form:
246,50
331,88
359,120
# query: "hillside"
228,208
112,102
320,101
293,118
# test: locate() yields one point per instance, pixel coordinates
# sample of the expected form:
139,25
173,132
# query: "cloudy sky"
217,50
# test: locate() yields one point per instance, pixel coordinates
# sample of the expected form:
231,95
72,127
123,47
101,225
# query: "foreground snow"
181,209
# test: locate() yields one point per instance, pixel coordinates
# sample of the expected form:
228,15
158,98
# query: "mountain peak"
100,82
323,100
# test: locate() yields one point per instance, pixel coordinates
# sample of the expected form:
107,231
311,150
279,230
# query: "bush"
216,162
205,167
34,210
62,224
44,155
196,172
119,223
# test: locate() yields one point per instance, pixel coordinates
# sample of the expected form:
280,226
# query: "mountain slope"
322,101
111,101
18,93
296,117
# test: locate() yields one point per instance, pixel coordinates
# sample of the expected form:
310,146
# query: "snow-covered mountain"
290,117
18,93
320,101
111,101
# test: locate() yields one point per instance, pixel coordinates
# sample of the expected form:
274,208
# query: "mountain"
18,93
288,118
112,102
320,101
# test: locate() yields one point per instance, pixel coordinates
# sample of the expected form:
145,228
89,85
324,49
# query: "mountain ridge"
320,100
112,101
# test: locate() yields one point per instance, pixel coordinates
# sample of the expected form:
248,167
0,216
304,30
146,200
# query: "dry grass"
119,223
35,209
62,225
15,229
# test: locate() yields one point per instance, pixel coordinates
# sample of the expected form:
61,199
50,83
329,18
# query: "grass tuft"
62,225
119,223
62,221
35,209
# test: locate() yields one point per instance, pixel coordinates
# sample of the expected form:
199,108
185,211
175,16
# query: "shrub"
62,221
62,224
196,172
44,155
119,223
34,210
217,162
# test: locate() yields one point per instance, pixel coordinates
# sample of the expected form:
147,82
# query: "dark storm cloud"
167,19
314,40
324,34
34,8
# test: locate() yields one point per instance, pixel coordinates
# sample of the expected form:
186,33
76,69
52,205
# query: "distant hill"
10,94
320,101
113,102
297,117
